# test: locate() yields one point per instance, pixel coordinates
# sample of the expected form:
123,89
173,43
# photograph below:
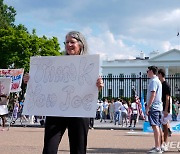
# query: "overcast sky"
113,28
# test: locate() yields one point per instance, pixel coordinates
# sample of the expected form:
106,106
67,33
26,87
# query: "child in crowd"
134,109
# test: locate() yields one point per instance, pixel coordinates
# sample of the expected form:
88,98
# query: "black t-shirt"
166,90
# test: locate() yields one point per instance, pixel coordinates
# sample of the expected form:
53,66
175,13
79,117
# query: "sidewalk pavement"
108,125
97,125
29,140
104,138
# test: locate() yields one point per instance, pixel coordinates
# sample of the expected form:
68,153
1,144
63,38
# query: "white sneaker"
155,150
164,147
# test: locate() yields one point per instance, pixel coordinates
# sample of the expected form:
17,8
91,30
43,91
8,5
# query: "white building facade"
170,61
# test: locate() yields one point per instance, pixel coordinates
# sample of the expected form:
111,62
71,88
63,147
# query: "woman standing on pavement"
3,109
75,44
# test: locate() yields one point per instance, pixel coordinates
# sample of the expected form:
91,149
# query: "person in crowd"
174,111
129,111
117,106
15,111
101,110
3,109
166,116
105,109
177,107
124,112
21,105
140,114
111,110
75,44
154,106
134,108
98,111
178,110
91,123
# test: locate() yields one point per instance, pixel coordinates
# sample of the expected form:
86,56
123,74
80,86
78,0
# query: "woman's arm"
26,78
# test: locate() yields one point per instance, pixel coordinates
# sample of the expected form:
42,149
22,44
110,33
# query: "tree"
17,46
7,15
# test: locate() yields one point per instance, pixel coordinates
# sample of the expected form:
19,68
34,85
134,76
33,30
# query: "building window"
121,92
109,92
133,77
109,77
133,92
144,94
177,74
121,77
144,77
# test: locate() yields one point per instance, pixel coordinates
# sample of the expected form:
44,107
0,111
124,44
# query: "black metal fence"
127,86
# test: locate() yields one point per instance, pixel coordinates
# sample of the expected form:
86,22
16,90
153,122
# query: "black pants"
77,132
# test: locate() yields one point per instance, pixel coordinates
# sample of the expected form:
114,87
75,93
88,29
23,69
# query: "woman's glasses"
70,42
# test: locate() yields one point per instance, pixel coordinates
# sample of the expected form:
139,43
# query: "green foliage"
7,15
17,46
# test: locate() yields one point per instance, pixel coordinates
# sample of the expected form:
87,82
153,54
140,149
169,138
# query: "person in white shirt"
124,111
105,109
101,110
98,110
117,106
134,113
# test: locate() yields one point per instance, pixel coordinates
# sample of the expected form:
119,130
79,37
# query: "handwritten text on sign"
62,86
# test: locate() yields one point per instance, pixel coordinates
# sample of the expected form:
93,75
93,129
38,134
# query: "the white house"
169,60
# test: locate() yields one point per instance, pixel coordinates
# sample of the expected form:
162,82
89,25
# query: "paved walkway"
29,140
97,125
105,138
108,125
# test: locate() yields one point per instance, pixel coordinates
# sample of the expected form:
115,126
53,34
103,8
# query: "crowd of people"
119,111
12,111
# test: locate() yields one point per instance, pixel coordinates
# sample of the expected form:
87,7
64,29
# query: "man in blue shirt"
154,106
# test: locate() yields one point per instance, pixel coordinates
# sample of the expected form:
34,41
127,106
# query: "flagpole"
178,37
178,40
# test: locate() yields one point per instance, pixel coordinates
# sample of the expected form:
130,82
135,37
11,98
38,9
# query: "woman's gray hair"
81,39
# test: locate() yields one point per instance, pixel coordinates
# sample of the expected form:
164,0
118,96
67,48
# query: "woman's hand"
147,111
99,83
26,78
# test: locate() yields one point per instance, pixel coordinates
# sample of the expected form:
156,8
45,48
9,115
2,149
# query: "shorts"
134,116
154,118
165,120
124,115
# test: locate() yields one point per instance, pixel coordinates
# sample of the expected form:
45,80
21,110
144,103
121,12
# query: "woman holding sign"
75,44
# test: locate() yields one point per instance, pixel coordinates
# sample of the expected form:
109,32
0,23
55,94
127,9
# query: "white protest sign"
16,75
5,87
62,86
